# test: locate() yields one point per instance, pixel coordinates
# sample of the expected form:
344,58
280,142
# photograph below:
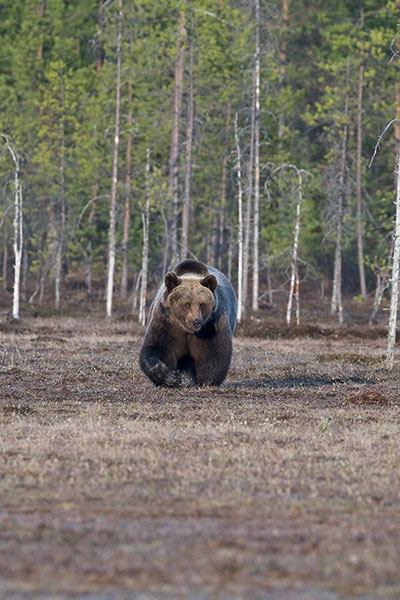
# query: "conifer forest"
239,133
261,137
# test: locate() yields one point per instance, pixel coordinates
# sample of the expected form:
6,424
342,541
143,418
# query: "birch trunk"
255,303
174,155
381,285
337,303
127,203
18,230
188,166
240,224
113,198
249,204
5,254
222,208
145,250
395,278
294,270
360,207
61,232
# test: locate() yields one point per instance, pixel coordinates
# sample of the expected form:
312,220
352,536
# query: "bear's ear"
171,281
209,282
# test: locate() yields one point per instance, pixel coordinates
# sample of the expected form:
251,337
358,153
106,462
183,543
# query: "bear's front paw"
173,378
160,374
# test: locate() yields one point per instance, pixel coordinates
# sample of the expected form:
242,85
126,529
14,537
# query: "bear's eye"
187,304
202,306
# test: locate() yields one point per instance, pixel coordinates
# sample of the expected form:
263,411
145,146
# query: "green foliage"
57,101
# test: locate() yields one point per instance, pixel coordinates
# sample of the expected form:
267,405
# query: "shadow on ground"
297,382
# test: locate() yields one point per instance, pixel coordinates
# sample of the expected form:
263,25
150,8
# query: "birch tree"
18,239
337,301
240,223
113,196
188,161
127,201
394,297
360,208
256,213
145,249
171,234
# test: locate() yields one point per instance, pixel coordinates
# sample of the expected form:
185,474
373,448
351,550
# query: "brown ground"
283,484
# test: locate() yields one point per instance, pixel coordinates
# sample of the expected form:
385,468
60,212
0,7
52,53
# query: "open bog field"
283,484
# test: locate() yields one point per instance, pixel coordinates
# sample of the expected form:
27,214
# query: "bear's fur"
190,328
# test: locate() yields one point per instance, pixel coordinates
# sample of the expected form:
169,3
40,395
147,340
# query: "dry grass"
283,483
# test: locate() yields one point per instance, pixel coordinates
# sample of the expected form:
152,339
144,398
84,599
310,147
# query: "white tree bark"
18,240
113,198
145,249
294,278
61,232
240,223
172,232
360,208
255,303
249,204
395,279
337,301
188,165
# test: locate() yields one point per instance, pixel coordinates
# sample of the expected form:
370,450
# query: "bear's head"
190,300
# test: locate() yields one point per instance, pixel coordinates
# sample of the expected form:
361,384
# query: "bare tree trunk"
127,203
294,270
188,166
88,249
145,251
396,124
249,204
25,268
18,229
395,278
61,233
240,223
256,224
174,156
222,208
5,254
360,208
113,198
337,303
381,285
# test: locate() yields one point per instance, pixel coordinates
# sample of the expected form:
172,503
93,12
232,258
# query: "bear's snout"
197,323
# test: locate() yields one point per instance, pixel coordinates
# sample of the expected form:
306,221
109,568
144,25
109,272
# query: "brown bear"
190,328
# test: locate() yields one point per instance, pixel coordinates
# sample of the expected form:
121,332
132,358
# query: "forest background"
149,131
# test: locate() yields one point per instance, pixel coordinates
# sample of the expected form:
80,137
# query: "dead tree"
18,240
113,197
